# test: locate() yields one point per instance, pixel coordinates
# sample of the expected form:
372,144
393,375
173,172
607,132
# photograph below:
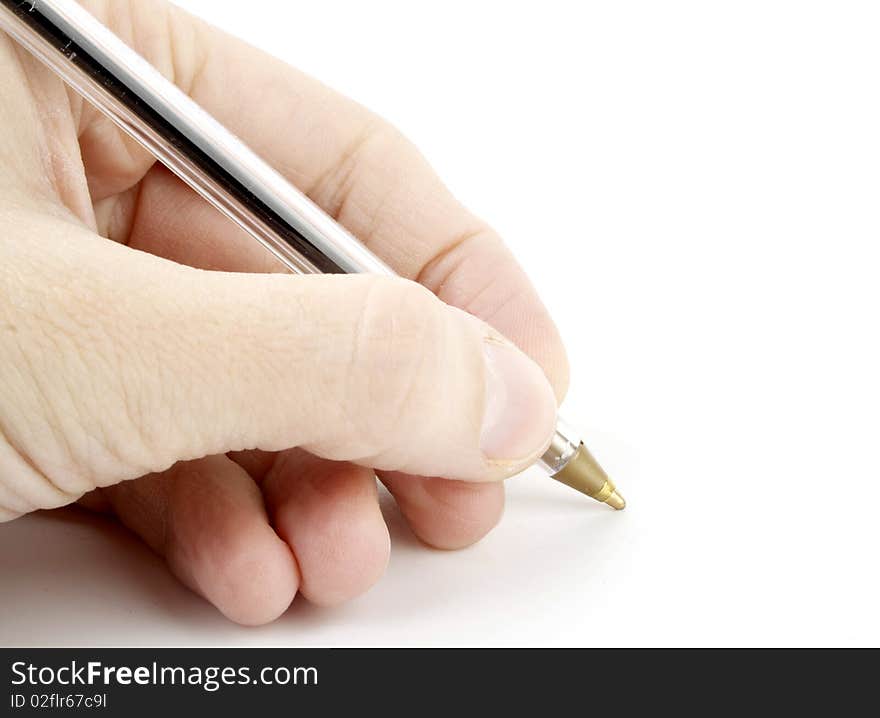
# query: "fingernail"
520,410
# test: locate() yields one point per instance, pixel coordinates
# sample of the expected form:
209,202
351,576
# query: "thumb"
116,363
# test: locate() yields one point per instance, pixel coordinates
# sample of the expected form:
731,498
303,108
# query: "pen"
198,149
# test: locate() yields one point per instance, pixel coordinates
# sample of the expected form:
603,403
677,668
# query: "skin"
208,410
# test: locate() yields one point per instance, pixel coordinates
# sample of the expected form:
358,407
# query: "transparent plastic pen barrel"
185,138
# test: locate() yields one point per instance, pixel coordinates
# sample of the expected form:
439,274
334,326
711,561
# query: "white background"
694,187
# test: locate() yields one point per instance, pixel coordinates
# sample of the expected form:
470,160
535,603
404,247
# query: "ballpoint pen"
180,134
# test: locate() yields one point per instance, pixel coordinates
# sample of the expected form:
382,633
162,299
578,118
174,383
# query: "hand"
254,405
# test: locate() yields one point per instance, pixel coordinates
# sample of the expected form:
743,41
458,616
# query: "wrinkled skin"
245,528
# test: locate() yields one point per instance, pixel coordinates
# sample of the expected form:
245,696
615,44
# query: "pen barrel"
185,138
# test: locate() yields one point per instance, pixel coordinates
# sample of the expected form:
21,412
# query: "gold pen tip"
616,501
583,473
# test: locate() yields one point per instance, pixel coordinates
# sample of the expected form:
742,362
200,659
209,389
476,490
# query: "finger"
357,167
152,362
207,519
328,512
478,275
444,513
482,278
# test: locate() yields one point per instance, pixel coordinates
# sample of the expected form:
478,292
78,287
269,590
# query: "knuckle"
334,189
363,180
477,273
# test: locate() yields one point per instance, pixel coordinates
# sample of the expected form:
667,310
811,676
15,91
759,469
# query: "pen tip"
616,501
583,473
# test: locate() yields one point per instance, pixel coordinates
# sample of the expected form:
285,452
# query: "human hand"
117,363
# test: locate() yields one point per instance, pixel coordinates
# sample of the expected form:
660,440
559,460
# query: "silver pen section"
217,165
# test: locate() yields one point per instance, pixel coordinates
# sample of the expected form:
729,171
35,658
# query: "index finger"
357,167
